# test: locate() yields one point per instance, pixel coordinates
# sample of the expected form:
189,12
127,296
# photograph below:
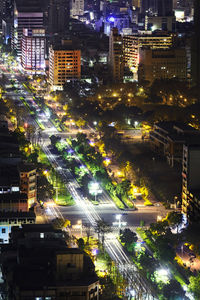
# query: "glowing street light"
132,293
94,188
118,218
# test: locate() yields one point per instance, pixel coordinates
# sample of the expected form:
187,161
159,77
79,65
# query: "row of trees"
94,162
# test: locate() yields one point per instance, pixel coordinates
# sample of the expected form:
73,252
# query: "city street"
84,209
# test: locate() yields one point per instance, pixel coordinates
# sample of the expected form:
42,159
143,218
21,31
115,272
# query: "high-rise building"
132,44
77,8
64,64
195,49
116,55
6,19
6,7
27,14
59,13
190,180
33,50
166,64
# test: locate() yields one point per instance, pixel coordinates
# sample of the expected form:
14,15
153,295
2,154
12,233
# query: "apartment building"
168,138
28,182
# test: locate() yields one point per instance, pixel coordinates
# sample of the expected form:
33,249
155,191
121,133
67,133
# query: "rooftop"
28,5
171,126
23,167
16,214
13,197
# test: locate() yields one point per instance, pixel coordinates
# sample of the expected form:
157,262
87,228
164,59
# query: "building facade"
191,181
168,138
14,202
10,219
166,64
167,23
64,65
116,60
28,182
58,16
27,14
77,8
33,50
133,43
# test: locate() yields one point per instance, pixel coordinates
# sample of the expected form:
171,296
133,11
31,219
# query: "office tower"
132,44
59,13
191,180
27,14
116,55
64,64
166,64
6,15
33,50
77,8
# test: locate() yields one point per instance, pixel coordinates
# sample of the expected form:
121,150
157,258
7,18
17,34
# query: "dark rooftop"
16,214
28,5
13,197
26,167
170,126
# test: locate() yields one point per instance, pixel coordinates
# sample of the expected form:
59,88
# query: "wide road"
87,211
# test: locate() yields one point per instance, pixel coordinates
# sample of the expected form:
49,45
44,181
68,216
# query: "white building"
77,8
33,50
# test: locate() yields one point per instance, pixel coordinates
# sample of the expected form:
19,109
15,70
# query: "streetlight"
118,218
80,225
94,188
132,293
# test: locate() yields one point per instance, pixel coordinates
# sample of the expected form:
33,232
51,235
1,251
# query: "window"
41,235
3,230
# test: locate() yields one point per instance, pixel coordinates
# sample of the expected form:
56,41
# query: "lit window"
41,236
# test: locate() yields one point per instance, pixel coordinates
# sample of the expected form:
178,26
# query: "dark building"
59,14
157,7
6,7
196,46
191,180
37,264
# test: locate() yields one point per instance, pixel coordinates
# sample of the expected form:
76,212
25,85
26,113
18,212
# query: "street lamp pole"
118,218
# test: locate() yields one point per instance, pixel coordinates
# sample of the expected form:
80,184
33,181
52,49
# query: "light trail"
112,245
